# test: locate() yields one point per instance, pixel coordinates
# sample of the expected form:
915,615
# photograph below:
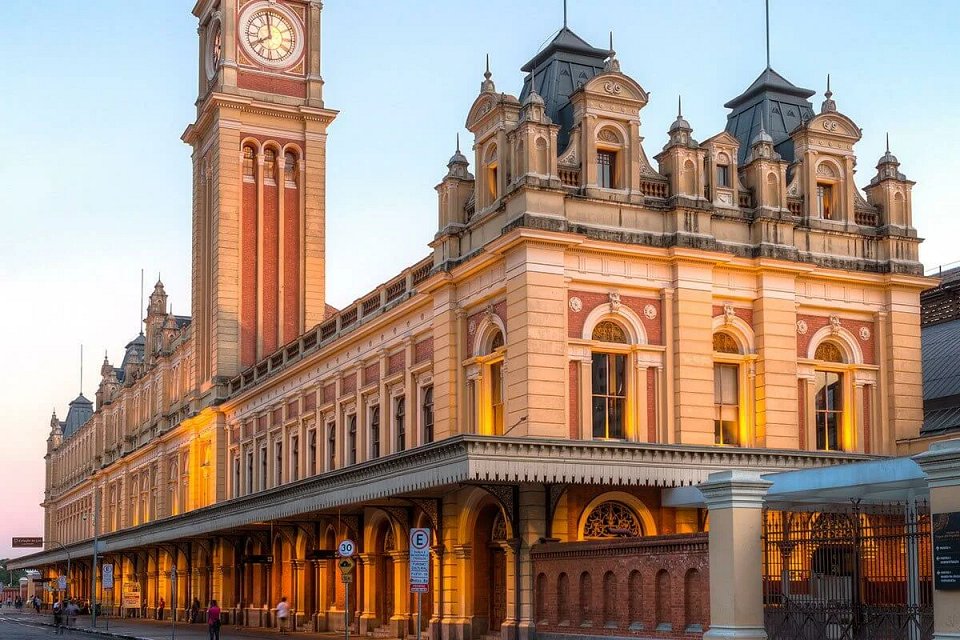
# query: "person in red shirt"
213,620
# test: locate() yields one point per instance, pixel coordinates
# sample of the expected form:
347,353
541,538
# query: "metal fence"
855,572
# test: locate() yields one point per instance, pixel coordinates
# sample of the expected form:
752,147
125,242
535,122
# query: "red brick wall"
371,374
592,300
271,84
743,313
423,350
270,267
628,578
329,393
349,383
815,323
248,276
310,401
396,363
291,260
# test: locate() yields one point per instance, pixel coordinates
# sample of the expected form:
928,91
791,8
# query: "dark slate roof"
80,411
135,350
562,67
182,321
940,344
780,105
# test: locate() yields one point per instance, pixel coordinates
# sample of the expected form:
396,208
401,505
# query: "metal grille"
853,573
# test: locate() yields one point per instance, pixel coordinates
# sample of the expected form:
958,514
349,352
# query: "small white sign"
347,548
62,583
106,579
419,560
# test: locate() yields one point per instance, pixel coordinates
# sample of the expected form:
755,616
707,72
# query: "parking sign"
419,560
106,578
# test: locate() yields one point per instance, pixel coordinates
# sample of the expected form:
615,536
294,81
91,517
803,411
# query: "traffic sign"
346,565
347,548
419,560
62,583
347,578
106,578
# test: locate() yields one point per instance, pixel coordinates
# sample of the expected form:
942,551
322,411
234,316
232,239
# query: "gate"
855,572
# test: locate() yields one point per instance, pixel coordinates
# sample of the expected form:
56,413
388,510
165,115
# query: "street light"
93,572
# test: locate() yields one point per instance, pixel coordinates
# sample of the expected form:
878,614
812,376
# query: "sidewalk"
138,629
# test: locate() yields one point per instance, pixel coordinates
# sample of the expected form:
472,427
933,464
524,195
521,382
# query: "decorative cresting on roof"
775,100
464,459
562,67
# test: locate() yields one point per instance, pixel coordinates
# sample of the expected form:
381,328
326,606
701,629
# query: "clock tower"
259,173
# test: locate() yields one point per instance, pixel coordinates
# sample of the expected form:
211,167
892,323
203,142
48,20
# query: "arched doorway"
490,571
385,587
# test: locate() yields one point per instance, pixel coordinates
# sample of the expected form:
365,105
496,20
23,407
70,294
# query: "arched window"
400,422
609,383
563,600
352,439
331,447
290,168
726,391
491,165
312,464
586,600
692,602
269,165
294,458
426,411
723,170
609,146
611,604
635,606
828,406
249,156
375,432
612,519
492,385
541,157
664,612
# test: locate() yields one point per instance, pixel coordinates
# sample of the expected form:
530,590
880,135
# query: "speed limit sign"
347,548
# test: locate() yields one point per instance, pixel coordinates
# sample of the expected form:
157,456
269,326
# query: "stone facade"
587,331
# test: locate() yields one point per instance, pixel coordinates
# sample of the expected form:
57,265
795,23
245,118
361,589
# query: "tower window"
825,205
723,175
375,432
606,169
829,409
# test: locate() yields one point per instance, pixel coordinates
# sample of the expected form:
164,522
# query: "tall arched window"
611,519
426,412
352,439
290,168
331,446
609,147
828,406
400,422
726,391
491,167
375,432
269,165
609,383
249,159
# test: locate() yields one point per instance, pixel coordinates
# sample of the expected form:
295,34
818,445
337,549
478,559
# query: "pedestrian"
213,620
283,612
36,604
160,607
195,611
58,617
72,610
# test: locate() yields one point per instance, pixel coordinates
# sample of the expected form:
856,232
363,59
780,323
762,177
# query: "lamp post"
93,572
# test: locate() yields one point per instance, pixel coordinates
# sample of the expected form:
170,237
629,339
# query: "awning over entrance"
870,482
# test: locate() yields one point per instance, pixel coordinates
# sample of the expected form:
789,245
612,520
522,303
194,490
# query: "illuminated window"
400,420
608,331
609,373
426,411
723,175
375,432
726,403
825,205
496,396
607,169
828,352
491,167
829,409
352,438
612,519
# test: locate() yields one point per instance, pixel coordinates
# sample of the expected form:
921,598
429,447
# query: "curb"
98,632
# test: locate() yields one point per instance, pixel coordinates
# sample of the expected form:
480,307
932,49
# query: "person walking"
213,620
195,611
72,610
58,617
283,613
160,607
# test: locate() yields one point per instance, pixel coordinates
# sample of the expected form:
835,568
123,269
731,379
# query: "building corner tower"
259,165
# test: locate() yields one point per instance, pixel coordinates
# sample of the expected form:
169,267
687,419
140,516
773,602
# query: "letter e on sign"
419,560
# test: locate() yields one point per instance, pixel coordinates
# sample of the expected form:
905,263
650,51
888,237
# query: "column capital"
735,489
941,463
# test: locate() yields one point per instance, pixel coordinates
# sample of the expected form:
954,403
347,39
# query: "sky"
96,184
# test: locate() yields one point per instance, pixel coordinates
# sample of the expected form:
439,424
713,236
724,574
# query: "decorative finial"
679,106
487,85
612,52
458,142
888,142
612,63
828,105
564,14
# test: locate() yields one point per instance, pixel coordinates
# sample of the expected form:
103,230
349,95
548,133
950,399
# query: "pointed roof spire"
887,157
680,123
612,64
888,142
768,32
487,85
564,14
457,165
679,106
828,105
458,142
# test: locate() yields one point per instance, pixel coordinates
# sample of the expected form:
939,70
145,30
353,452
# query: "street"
26,626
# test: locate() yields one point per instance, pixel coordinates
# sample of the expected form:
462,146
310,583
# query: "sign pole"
346,611
419,613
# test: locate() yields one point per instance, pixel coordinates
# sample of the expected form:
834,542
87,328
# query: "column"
941,464
692,348
367,601
400,622
532,510
775,329
735,501
298,602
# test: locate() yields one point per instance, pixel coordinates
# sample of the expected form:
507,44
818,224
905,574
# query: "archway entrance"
385,588
490,572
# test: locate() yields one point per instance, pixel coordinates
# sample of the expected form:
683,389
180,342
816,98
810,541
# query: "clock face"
214,51
271,36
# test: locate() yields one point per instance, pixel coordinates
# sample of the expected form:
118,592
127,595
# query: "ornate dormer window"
609,145
491,166
825,205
